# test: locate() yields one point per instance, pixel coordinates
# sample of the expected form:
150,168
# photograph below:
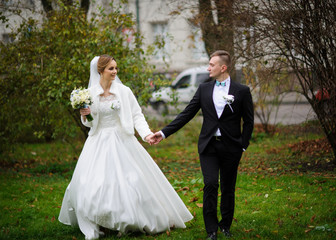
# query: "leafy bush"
48,60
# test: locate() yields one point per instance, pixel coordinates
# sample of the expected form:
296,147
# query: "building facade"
183,47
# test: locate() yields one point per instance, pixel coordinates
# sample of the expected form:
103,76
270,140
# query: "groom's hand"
158,137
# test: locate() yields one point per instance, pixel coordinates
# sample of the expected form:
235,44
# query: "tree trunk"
302,36
77,118
217,26
321,108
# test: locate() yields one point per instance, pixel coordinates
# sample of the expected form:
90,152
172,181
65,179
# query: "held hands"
158,137
154,138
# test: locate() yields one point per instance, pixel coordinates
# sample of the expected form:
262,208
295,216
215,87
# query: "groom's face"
216,67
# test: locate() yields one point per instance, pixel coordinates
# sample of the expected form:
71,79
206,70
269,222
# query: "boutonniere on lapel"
229,100
115,105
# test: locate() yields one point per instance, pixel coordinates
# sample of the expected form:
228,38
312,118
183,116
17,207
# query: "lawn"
286,187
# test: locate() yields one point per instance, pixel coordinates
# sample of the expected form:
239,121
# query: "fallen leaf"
183,189
194,199
199,205
312,218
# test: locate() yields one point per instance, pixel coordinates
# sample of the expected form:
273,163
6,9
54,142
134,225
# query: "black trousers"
219,164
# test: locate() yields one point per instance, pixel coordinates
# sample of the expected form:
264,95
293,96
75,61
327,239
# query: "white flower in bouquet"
229,100
115,105
81,98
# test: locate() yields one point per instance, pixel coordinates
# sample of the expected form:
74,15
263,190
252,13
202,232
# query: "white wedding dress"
117,185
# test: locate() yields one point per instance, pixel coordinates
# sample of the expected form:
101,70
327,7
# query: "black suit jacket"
236,136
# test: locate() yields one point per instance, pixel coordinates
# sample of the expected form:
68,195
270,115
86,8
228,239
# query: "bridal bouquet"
229,99
81,98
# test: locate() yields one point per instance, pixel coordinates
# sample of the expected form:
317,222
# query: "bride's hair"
103,61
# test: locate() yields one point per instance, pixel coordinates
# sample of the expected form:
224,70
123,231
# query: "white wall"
180,46
30,9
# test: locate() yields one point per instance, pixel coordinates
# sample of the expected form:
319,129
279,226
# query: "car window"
184,82
201,77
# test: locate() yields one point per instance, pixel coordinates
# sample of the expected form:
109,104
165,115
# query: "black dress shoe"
226,232
212,236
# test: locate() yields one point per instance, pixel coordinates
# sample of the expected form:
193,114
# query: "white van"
182,89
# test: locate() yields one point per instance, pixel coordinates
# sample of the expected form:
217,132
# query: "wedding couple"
117,185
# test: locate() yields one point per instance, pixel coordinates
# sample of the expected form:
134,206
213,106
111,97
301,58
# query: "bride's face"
110,72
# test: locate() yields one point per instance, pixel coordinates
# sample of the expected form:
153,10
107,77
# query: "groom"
223,139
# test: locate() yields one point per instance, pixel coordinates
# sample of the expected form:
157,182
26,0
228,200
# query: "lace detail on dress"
108,98
108,116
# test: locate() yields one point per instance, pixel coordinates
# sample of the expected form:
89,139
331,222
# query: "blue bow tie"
220,83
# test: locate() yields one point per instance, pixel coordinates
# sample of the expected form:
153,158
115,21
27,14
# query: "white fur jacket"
130,112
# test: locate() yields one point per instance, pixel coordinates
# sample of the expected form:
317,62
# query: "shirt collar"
227,80
100,90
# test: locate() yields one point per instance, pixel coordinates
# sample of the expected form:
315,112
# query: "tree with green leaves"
49,59
49,5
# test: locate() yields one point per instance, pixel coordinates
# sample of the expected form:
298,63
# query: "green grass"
275,197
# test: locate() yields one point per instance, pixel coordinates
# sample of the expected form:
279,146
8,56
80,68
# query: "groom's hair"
103,61
224,56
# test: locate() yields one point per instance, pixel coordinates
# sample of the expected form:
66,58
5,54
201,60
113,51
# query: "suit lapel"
233,88
209,97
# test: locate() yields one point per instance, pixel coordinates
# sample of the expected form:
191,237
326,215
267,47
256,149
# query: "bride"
116,184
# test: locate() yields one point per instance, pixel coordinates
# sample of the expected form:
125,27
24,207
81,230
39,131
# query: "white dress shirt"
219,102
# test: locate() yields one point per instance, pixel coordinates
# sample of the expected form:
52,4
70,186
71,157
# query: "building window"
160,35
197,44
30,3
11,3
7,38
8,3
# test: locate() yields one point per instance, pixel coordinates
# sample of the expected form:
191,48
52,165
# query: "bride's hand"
85,111
150,139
